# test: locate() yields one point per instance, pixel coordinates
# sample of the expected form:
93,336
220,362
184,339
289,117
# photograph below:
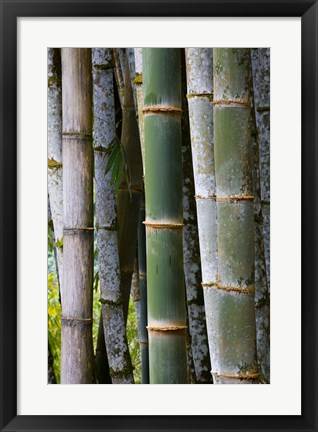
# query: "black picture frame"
10,11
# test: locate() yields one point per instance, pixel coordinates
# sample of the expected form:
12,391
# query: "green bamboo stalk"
143,294
199,67
106,221
78,248
260,111
55,171
164,219
232,313
129,193
191,257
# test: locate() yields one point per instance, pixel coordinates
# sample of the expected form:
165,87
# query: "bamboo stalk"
78,250
261,75
129,194
191,257
199,66
106,221
101,360
135,293
132,73
234,357
140,101
261,164
164,221
119,76
55,170
143,294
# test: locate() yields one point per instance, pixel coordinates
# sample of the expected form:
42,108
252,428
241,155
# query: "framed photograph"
285,32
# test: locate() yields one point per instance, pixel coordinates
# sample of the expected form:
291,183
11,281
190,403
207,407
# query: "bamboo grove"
158,216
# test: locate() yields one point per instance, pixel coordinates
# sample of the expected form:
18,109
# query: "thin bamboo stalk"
106,220
119,76
143,294
164,219
78,249
199,67
132,73
191,258
234,357
101,360
140,101
129,194
135,293
55,170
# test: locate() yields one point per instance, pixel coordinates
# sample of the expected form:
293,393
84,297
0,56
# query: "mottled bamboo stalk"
261,83
55,172
106,221
234,357
78,248
261,79
129,194
199,67
164,216
191,258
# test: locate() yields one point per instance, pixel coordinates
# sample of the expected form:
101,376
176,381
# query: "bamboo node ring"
161,109
246,376
235,198
163,225
234,102
167,328
77,321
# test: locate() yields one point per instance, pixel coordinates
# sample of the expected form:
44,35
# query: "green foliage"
96,312
133,342
54,323
117,163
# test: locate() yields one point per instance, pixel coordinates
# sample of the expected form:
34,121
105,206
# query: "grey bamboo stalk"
234,357
262,302
164,218
129,194
199,66
55,171
261,79
106,220
140,101
78,248
191,258
143,294
262,295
